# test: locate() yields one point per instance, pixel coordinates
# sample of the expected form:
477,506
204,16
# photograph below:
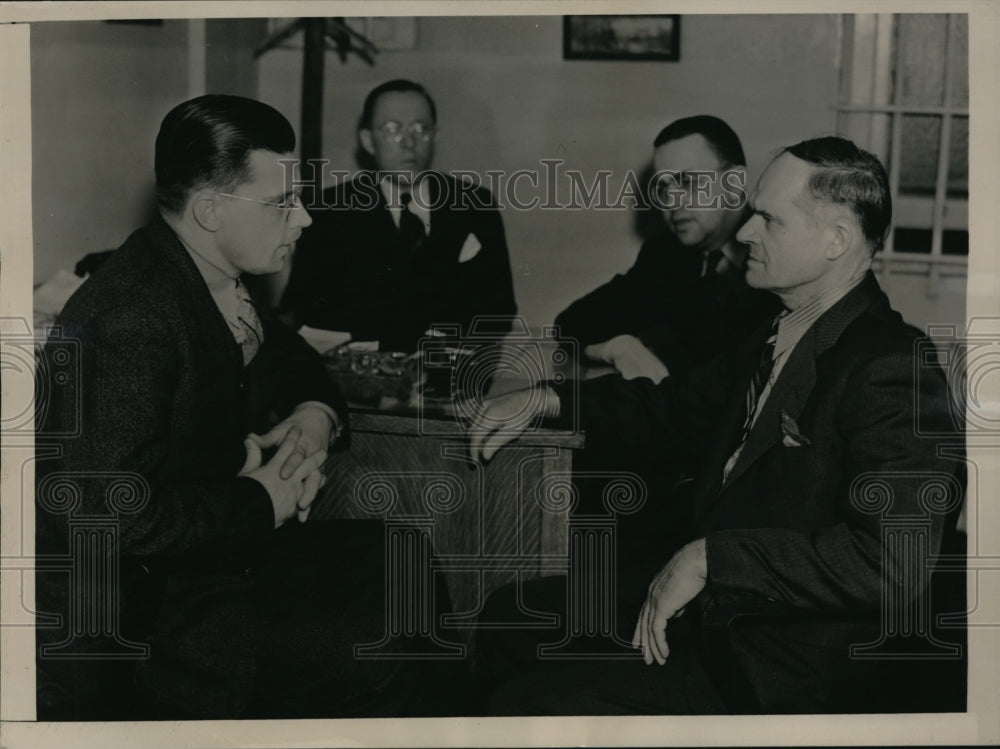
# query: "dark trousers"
731,652
321,597
317,593
517,679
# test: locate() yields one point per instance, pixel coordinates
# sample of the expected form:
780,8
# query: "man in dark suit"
400,249
803,448
196,439
684,299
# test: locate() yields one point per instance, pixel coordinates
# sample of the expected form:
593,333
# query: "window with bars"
904,96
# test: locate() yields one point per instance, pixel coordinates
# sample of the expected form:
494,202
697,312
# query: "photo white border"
981,725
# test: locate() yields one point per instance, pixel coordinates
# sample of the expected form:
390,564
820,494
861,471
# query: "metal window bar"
881,84
901,108
885,30
944,154
895,140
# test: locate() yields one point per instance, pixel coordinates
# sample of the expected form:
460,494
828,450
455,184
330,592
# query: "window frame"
870,113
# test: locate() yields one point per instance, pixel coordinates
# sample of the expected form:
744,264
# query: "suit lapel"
197,297
788,394
795,382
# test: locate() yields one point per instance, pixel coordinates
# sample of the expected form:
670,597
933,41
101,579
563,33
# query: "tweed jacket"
148,435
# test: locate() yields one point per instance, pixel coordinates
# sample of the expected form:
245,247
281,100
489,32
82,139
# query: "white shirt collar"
793,325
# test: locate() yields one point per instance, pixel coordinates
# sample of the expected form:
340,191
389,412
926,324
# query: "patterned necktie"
411,228
757,384
251,335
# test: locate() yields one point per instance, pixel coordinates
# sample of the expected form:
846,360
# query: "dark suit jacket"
164,397
802,525
350,271
663,300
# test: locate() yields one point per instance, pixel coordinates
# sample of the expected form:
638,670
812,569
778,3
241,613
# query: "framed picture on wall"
653,37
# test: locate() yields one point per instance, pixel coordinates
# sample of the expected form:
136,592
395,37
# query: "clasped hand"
670,592
293,475
314,430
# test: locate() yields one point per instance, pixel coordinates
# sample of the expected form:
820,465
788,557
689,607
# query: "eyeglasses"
395,132
668,188
293,200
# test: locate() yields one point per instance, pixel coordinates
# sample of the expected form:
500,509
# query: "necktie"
411,228
712,260
251,333
756,387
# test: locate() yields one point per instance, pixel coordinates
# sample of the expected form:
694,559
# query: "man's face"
700,221
256,237
400,114
786,232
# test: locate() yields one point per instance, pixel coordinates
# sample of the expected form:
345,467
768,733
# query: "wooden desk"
487,524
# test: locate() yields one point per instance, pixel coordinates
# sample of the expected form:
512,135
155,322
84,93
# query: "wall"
923,303
230,67
507,99
98,93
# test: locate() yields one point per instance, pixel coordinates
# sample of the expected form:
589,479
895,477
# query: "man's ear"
205,211
367,142
841,233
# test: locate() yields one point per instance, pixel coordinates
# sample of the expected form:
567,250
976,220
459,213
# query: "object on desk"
369,376
52,295
363,346
324,340
446,366
91,262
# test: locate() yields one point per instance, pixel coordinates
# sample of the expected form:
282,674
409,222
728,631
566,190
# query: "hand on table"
671,590
314,431
292,495
630,357
505,417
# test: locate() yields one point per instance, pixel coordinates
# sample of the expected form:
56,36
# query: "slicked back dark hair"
398,84
848,175
207,141
719,135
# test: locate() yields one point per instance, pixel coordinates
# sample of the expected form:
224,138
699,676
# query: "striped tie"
757,384
252,331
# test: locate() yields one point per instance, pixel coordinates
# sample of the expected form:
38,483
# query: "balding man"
789,440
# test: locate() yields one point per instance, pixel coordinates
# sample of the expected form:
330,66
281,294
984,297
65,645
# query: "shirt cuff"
338,425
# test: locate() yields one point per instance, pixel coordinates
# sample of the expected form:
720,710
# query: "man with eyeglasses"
199,431
684,299
401,248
